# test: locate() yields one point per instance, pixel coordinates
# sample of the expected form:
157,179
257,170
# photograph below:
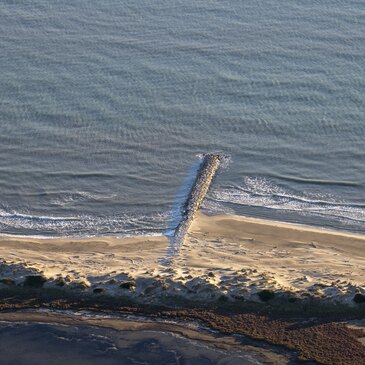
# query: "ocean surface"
42,344
106,106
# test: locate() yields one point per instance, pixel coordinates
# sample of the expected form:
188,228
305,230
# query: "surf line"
205,174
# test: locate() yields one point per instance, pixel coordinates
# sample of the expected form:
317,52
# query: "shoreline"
285,224
84,237
249,219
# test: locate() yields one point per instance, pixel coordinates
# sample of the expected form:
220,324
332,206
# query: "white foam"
181,196
68,197
82,226
16,215
261,192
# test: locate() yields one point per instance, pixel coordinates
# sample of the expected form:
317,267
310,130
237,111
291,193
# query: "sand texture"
252,253
228,257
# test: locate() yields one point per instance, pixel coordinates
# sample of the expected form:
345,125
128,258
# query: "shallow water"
38,344
105,106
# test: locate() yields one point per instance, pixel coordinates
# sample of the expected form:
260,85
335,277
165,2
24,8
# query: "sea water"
105,107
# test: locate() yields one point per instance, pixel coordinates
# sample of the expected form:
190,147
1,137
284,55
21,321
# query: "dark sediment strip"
326,341
204,178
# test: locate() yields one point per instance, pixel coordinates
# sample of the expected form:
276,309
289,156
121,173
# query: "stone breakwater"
204,178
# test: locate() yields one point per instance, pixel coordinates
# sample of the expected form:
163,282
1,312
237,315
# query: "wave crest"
261,192
82,226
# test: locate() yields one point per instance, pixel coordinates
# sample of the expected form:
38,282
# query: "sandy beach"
80,259
225,263
222,255
277,255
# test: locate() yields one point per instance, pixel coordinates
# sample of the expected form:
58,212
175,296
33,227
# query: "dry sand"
89,260
230,255
274,254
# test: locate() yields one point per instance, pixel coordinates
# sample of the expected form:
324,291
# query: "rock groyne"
204,178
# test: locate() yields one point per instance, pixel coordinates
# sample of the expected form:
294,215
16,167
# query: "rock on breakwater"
204,178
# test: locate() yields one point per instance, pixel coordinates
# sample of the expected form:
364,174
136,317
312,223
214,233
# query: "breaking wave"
82,226
261,192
